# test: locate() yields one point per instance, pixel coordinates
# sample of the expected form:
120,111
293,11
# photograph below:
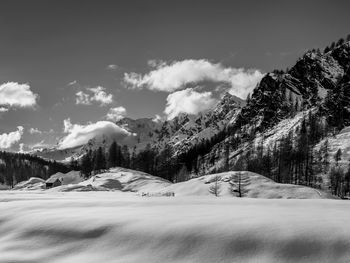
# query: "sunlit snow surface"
122,227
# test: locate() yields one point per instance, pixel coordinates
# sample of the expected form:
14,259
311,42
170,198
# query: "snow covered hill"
113,227
129,181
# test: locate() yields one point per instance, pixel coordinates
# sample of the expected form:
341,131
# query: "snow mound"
72,177
253,186
33,183
122,179
111,227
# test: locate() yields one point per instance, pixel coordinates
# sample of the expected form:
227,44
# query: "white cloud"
13,94
72,83
67,125
155,63
97,94
157,118
9,139
21,147
188,101
38,145
100,95
82,98
174,76
116,114
80,134
112,67
35,131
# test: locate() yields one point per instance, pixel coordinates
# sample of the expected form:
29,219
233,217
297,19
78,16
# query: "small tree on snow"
215,187
236,184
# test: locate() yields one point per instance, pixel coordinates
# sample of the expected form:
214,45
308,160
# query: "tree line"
17,167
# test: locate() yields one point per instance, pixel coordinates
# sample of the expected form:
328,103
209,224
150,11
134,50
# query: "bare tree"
215,187
236,184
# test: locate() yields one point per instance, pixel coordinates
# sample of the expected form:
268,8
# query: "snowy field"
42,227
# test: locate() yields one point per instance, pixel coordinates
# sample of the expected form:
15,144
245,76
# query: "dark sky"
49,44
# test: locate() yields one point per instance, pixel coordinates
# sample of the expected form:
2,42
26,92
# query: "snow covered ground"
47,226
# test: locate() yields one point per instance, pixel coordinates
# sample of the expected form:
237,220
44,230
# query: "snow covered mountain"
182,132
318,84
317,88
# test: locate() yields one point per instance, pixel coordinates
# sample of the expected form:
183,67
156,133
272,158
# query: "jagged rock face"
306,84
144,129
185,131
342,55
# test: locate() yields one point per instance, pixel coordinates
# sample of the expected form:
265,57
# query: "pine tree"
337,157
227,157
340,42
99,160
347,180
113,155
325,155
86,165
126,156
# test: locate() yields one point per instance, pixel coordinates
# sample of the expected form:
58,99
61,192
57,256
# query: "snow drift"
114,227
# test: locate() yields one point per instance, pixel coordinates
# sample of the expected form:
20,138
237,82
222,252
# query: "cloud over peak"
78,134
176,75
188,101
13,94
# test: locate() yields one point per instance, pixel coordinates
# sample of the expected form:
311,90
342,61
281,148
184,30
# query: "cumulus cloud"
100,95
35,131
13,94
82,98
9,139
80,134
116,114
176,75
188,101
97,94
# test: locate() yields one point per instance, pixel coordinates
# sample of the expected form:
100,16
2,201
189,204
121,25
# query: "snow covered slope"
33,183
129,181
340,141
116,228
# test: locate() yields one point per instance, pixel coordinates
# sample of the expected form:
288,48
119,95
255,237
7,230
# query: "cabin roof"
52,180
